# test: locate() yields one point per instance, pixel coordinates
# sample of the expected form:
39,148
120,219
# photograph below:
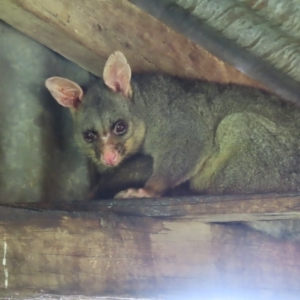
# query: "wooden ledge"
149,248
231,208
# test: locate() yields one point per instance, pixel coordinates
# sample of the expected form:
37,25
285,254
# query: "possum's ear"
117,74
66,92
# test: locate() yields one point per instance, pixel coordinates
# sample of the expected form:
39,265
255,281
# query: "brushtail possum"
220,138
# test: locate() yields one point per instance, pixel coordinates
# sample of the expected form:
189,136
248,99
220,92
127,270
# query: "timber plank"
87,254
86,32
225,208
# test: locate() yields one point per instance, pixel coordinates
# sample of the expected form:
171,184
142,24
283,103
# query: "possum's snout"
112,155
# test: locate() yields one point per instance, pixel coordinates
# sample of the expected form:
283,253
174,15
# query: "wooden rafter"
105,254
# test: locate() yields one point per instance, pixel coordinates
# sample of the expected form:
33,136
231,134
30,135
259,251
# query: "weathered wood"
79,253
249,24
205,208
86,32
234,34
41,296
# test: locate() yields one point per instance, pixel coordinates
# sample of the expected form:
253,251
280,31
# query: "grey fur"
225,139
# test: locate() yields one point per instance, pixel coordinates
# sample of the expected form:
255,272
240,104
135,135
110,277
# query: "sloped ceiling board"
253,36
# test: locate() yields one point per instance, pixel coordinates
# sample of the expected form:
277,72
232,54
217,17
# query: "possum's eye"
120,127
89,136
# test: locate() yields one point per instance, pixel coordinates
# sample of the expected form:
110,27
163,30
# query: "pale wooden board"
86,32
83,254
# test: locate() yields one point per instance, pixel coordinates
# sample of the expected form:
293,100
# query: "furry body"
221,139
224,139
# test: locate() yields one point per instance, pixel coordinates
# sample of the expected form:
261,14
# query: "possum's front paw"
134,193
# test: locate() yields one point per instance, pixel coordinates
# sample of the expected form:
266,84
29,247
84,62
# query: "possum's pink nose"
110,158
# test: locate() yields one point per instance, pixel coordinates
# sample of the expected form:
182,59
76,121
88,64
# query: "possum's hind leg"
251,155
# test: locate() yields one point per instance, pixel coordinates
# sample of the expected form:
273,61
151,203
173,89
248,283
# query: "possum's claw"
133,193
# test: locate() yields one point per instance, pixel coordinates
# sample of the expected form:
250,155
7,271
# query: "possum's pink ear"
66,92
117,74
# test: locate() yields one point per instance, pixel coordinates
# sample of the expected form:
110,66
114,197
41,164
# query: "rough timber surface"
72,253
227,208
86,32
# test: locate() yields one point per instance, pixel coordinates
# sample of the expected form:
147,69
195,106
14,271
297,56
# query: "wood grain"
86,32
205,208
87,254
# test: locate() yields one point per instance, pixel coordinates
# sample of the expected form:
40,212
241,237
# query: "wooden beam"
81,253
86,32
233,208
222,28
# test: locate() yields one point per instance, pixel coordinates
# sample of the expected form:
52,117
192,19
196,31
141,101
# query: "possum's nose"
110,158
